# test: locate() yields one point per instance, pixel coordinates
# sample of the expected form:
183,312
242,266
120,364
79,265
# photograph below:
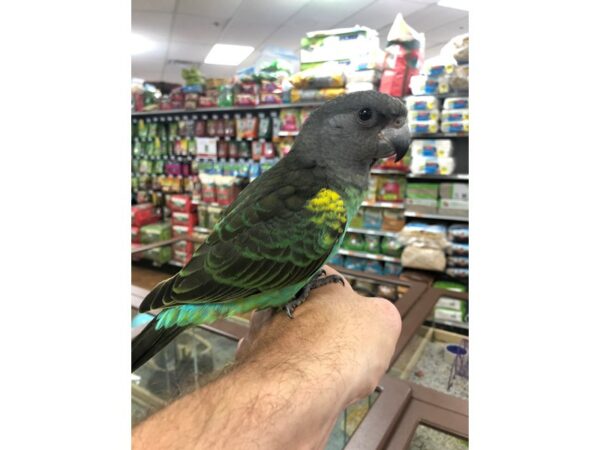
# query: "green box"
160,255
422,190
155,232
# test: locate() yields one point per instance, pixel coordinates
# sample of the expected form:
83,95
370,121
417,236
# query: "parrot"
269,247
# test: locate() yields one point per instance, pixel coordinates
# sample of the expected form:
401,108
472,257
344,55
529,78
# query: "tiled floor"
147,278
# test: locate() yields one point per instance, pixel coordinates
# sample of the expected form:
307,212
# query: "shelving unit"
460,141
439,135
224,109
435,177
435,216
373,232
367,255
391,205
451,325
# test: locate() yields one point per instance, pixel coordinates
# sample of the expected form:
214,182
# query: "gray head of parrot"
357,129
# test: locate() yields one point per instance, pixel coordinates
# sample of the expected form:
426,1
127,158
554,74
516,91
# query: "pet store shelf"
373,232
451,323
436,177
387,172
391,205
366,255
223,109
439,135
435,216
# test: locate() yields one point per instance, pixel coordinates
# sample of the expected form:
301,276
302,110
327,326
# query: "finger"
239,346
258,319
330,271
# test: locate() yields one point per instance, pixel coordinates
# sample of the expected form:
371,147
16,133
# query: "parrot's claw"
316,282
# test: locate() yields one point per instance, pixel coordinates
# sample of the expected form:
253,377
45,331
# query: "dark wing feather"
267,239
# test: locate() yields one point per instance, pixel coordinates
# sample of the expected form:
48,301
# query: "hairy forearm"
291,380
268,400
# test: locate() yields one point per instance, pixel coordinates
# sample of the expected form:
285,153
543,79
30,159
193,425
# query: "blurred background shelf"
373,232
367,255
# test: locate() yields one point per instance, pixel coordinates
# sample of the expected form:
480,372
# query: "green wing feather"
274,235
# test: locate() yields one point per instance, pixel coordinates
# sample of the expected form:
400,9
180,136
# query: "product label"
455,127
429,150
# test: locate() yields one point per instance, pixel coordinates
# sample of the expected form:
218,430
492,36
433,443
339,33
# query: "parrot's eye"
365,114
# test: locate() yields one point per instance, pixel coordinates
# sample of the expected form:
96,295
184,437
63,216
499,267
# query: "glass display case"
428,438
196,356
420,403
436,359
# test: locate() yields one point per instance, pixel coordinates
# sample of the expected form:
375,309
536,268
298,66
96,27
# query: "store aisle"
147,278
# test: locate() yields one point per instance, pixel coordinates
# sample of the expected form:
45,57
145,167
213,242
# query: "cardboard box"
143,214
454,204
421,205
453,212
182,257
155,233
135,235
184,218
454,191
393,220
181,230
448,314
160,255
181,203
184,246
422,191
450,303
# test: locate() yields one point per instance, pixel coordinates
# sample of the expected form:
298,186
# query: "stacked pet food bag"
333,62
183,221
446,75
431,157
458,252
146,228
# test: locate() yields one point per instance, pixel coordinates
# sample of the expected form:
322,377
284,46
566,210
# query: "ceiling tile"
141,69
433,16
192,29
153,25
322,15
153,5
219,10
158,53
442,34
244,32
269,11
172,74
381,13
288,37
188,52
216,71
148,76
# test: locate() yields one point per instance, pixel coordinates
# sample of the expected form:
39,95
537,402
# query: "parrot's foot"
316,282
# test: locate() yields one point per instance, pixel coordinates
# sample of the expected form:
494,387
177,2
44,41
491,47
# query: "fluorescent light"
228,55
140,44
455,4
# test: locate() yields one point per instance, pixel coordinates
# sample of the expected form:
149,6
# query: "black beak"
394,139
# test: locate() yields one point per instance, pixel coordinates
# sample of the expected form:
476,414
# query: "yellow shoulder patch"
329,209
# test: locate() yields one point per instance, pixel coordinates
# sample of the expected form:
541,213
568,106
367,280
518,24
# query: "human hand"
291,380
336,333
